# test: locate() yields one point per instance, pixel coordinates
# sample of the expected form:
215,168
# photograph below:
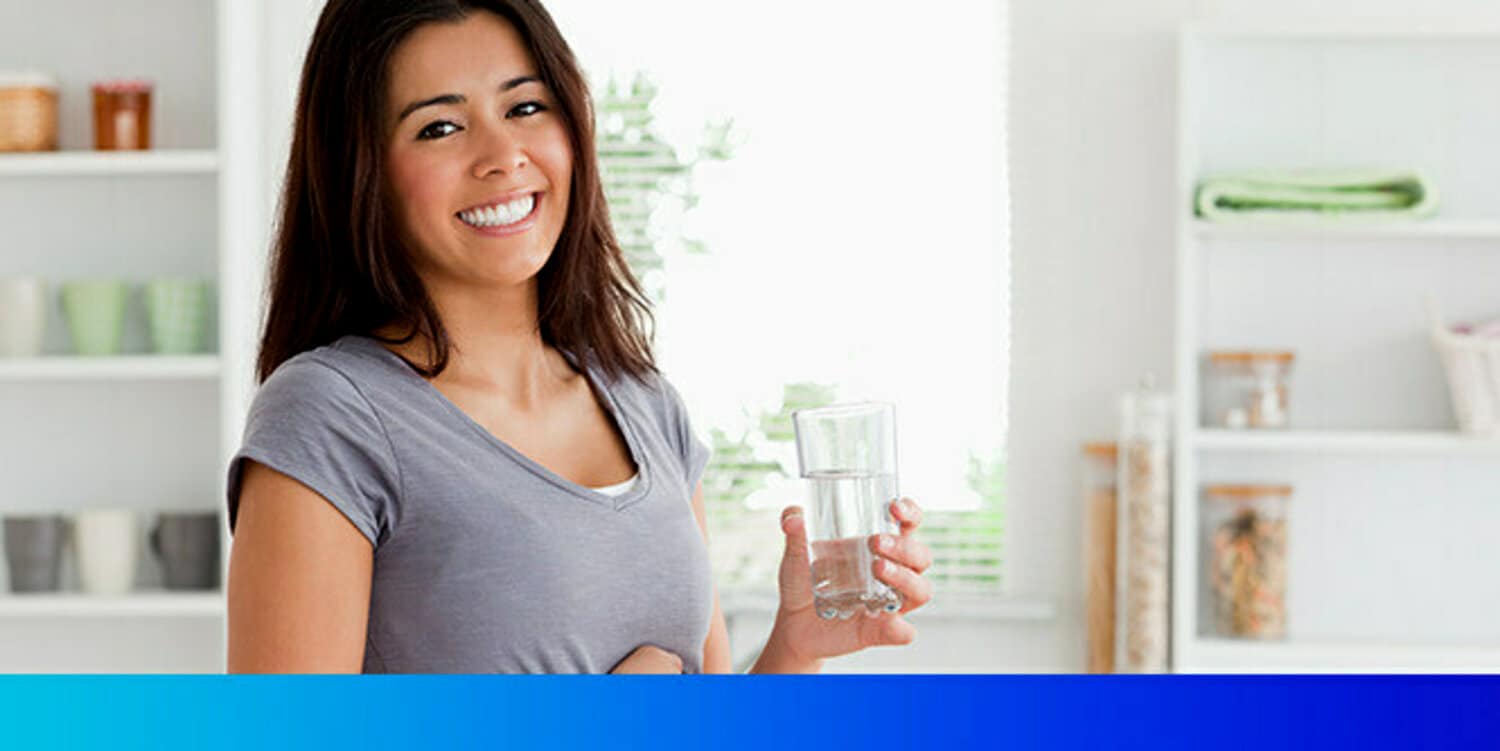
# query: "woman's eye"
437,130
528,108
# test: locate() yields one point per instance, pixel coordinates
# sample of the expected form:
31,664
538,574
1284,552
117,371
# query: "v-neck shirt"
484,559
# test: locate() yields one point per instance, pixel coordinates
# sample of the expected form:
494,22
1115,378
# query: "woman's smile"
499,217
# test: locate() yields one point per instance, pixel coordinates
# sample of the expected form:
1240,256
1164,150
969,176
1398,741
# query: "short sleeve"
309,422
693,451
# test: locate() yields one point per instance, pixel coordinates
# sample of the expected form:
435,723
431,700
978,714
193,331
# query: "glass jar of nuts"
1245,551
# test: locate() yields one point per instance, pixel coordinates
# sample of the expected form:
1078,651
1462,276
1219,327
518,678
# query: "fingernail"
885,542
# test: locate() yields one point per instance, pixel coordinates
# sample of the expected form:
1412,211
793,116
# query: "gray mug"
188,546
33,551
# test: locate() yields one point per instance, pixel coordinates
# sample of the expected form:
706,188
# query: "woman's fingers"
905,550
886,629
907,513
904,557
915,591
898,630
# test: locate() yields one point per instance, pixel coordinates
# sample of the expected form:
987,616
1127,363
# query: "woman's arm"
299,581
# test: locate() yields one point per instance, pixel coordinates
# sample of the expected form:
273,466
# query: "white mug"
107,544
23,316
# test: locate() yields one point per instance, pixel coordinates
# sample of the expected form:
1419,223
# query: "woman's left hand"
899,561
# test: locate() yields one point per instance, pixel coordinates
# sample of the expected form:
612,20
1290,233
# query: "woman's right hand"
650,659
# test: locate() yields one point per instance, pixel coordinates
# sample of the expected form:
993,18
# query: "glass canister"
122,115
1244,529
1099,476
1249,389
1143,541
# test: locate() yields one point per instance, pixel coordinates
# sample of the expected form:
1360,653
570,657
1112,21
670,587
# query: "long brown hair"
338,264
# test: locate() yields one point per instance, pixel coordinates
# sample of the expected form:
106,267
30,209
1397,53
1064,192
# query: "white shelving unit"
144,431
68,164
1390,555
1430,230
1440,443
143,367
144,604
1229,656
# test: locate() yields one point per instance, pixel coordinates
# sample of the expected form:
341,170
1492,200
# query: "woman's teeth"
500,215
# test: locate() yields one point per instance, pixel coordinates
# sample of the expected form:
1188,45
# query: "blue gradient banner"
744,712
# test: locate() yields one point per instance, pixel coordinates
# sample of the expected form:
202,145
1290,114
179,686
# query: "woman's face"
478,156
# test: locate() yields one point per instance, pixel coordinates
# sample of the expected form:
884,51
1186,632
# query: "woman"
462,457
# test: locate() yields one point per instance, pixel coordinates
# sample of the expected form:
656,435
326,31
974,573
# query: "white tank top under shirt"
619,489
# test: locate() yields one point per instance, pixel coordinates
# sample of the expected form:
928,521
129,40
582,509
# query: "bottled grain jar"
28,112
1143,545
1244,533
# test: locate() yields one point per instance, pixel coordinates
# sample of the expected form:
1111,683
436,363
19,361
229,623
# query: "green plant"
641,173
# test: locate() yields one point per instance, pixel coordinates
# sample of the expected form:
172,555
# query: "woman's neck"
497,346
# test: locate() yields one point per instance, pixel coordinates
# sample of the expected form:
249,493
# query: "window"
814,194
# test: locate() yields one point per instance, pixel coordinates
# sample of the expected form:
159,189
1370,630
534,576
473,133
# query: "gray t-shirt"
486,561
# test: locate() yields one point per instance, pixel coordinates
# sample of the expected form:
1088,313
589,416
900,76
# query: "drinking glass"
847,453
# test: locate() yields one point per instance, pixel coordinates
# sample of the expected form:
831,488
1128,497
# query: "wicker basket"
1473,366
28,112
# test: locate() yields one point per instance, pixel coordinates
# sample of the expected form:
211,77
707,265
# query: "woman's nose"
499,151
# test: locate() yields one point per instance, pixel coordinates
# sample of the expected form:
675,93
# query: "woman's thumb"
796,567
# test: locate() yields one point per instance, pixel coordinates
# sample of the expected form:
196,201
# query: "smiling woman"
464,175
463,457
388,99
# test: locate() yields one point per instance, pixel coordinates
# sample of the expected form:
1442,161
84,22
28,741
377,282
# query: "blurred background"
1186,308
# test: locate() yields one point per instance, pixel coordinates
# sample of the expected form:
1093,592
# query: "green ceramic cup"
177,314
95,310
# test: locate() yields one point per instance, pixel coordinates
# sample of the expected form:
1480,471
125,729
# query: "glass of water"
847,454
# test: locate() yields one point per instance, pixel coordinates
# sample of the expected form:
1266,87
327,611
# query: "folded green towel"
1317,195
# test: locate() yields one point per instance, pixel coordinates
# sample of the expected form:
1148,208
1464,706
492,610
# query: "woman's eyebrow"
459,98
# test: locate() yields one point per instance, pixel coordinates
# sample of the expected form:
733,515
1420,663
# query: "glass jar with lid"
1249,389
122,114
1245,553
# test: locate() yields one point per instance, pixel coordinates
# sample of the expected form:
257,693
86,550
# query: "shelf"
1304,229
149,603
1206,655
1422,443
1404,29
84,163
122,367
